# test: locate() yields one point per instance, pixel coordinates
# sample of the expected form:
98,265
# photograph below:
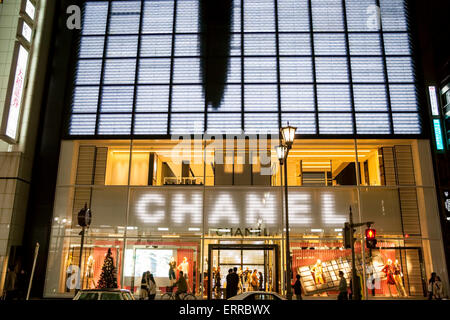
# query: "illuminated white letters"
224,211
261,206
147,208
182,207
300,209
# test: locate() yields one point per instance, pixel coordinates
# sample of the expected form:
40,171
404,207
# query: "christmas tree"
108,279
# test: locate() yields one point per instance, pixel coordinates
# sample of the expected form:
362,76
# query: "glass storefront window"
165,199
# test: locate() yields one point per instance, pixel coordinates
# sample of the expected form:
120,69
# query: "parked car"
104,294
257,295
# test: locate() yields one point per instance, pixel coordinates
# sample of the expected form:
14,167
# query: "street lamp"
288,134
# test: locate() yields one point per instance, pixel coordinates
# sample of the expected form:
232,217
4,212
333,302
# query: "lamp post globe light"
288,135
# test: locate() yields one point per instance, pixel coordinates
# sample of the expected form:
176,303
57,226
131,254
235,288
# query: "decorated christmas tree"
108,279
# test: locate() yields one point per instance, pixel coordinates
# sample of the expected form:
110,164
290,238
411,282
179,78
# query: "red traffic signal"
371,233
371,242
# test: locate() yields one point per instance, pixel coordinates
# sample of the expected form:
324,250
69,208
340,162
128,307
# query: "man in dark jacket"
298,288
342,287
181,285
229,281
235,282
22,284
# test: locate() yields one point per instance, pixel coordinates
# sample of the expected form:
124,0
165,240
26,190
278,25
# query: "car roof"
248,293
105,290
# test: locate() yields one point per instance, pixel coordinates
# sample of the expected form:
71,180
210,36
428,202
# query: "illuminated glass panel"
305,122
370,98
188,98
88,72
150,124
295,69
327,15
334,98
297,98
122,46
365,44
295,44
293,15
329,44
261,98
156,46
152,99
154,71
82,124
216,123
331,69
85,100
231,100
393,15
400,69
114,124
125,16
366,123
119,71
403,97
158,16
397,44
91,47
335,123
261,123
187,16
117,99
367,69
406,123
94,18
187,122
260,70
259,15
361,15
259,44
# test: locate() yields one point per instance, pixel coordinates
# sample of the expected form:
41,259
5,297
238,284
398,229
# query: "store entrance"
246,258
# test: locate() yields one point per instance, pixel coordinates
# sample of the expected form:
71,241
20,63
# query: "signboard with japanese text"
11,117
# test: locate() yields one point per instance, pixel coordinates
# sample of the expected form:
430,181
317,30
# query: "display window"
164,259
101,258
388,271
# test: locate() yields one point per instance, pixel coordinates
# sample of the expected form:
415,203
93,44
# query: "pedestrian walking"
10,285
342,287
437,289
151,287
229,284
431,287
298,288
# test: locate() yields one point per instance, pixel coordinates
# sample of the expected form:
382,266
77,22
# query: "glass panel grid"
169,76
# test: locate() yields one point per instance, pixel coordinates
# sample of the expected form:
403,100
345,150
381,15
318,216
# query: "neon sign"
438,134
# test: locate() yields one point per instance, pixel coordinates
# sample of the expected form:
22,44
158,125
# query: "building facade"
24,45
168,138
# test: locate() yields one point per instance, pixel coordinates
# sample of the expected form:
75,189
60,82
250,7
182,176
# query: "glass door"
257,268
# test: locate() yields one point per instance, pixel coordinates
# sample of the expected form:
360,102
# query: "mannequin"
388,269
240,286
184,266
317,269
90,272
172,267
398,278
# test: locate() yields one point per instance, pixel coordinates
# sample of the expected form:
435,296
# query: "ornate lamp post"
288,135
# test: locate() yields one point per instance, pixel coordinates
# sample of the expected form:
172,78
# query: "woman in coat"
144,287
151,287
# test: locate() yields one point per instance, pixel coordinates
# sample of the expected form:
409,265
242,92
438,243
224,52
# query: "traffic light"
371,241
348,236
